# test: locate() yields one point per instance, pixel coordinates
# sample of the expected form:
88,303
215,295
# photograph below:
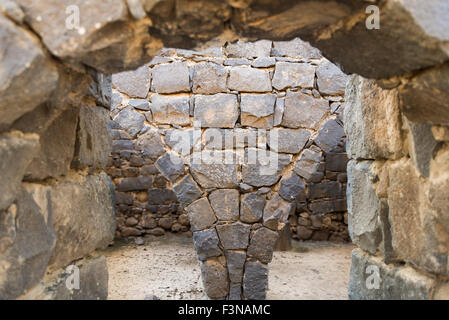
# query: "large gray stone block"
257,110
312,110
293,75
171,78
187,190
330,79
215,279
288,140
200,214
170,109
329,135
255,281
225,203
130,120
234,236
209,78
206,244
251,207
262,244
216,111
211,170
134,83
247,79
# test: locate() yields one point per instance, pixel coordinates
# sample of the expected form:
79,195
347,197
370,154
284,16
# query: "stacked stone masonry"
54,141
264,98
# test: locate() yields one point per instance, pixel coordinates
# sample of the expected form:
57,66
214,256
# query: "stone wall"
276,99
241,91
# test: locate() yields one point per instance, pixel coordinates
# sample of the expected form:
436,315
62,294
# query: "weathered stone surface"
16,151
328,189
171,166
330,79
246,79
292,188
241,49
170,109
215,279
295,48
439,184
216,111
150,143
225,203
135,184
303,233
372,121
187,190
140,104
262,244
257,110
278,111
284,242
410,214
263,168
182,140
23,261
395,283
57,147
159,196
336,161
210,170
171,78
255,281
101,89
288,140
93,273
235,261
251,207
200,214
421,146
24,69
12,10
363,206
93,227
264,62
329,135
308,165
135,83
234,236
276,212
209,78
293,75
206,244
130,120
425,97
93,142
311,109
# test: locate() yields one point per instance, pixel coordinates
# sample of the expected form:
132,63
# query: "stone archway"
405,222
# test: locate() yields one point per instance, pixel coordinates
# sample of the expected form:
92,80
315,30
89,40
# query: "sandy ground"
166,267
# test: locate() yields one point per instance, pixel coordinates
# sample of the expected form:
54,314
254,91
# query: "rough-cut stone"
311,110
241,49
206,244
410,214
288,140
336,162
328,189
308,165
210,170
255,281
295,48
182,140
158,196
421,146
216,111
264,62
372,279
130,120
171,166
234,236
235,261
187,190
278,111
171,78
425,97
263,168
170,109
135,184
329,135
215,279
57,147
93,227
330,79
363,206
139,104
292,188
93,143
200,214
262,244
293,75
246,79
225,203
135,83
150,143
251,207
372,121
257,110
23,261
276,212
16,151
209,78
24,69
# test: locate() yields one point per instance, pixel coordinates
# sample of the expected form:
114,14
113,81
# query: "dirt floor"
167,268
